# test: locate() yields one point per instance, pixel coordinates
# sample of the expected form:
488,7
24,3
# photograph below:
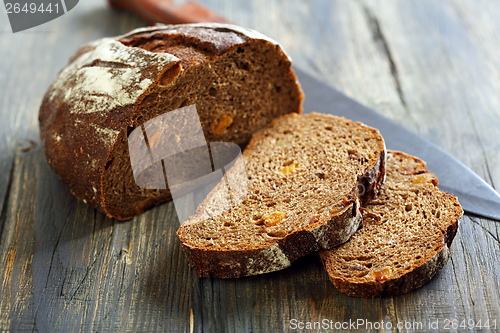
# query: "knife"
475,195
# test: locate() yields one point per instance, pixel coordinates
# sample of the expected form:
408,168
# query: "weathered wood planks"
432,66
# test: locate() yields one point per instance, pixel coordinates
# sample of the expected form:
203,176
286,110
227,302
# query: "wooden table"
432,66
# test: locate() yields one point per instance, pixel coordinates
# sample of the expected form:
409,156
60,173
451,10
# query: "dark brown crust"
373,179
406,283
417,277
234,264
335,231
79,159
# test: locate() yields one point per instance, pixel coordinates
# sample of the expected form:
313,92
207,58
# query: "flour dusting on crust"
271,259
106,135
109,76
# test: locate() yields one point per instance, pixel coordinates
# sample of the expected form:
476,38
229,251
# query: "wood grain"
432,66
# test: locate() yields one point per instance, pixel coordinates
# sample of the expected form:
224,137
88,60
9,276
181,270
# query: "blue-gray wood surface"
432,66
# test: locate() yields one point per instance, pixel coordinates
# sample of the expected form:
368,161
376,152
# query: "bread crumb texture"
238,79
404,239
303,182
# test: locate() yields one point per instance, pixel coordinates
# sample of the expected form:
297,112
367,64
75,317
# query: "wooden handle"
169,11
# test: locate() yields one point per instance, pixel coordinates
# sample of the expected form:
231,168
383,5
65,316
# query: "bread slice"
404,240
306,176
238,79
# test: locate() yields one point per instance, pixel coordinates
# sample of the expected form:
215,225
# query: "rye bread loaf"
306,176
405,236
238,79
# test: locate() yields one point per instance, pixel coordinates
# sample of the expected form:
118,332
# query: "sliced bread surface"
306,176
238,79
405,236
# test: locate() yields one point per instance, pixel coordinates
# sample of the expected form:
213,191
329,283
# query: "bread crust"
337,229
79,126
416,278
417,275
92,103
233,264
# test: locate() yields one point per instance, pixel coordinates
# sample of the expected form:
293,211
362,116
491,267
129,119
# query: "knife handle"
169,11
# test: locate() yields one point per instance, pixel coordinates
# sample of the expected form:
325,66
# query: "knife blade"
474,194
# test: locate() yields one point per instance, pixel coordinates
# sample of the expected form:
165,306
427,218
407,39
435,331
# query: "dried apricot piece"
290,168
420,179
381,275
224,122
273,219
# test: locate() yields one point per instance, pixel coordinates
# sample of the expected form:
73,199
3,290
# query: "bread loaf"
238,79
406,233
306,177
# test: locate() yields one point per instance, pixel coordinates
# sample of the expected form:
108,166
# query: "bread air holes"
260,222
169,76
276,233
353,153
362,274
212,91
243,65
108,163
